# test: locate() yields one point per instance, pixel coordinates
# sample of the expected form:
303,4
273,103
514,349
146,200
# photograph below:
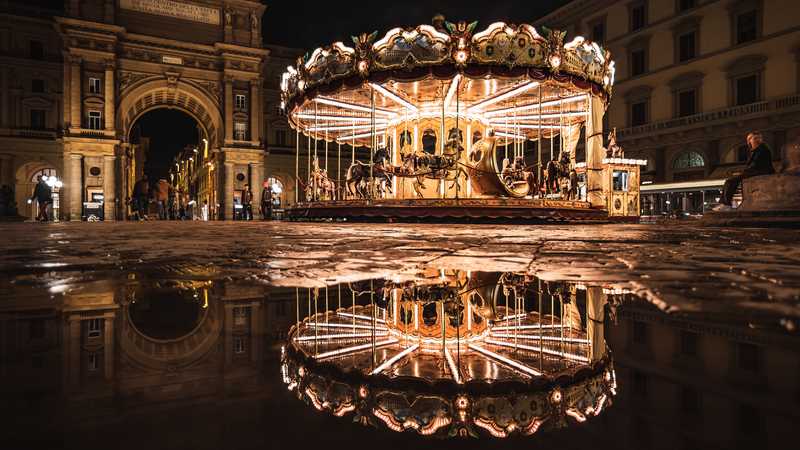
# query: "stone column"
109,187
255,113
75,82
256,332
595,307
256,178
4,99
108,348
109,96
66,104
74,183
72,352
227,194
228,109
228,330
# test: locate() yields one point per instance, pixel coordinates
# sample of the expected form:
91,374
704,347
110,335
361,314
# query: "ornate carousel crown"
501,49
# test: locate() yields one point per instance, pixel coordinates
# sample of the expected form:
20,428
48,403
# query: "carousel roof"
510,77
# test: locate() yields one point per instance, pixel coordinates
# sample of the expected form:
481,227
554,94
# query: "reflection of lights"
452,365
389,362
352,106
539,349
555,61
503,359
276,188
205,298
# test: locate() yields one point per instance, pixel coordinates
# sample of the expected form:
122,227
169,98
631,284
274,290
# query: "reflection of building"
688,382
136,345
693,76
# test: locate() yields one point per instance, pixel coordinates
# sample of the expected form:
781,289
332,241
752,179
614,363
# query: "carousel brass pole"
316,319
372,149
308,163
442,142
541,330
539,167
297,166
297,306
444,331
560,128
339,295
326,303
354,309
339,166
372,304
458,139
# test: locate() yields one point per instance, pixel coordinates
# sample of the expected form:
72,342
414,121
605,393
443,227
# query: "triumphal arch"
124,58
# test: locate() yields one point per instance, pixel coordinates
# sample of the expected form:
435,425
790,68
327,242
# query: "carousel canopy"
522,83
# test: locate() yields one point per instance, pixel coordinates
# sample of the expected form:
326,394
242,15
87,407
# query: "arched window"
48,172
688,160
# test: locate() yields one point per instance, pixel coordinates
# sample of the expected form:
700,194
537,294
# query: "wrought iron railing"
710,116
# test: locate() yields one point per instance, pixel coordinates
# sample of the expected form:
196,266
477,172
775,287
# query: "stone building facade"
693,76
74,81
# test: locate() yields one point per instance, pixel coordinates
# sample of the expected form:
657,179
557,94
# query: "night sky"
308,26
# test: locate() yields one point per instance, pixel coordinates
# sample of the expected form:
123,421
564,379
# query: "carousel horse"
444,167
320,186
361,175
554,172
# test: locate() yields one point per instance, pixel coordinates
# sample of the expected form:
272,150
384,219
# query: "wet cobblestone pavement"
677,267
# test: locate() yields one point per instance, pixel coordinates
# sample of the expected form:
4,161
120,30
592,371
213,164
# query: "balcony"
32,133
724,114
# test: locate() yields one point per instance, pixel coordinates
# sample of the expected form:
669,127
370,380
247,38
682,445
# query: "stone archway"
165,93
25,183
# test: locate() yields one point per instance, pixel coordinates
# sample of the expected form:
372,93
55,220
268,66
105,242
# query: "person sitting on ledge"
759,163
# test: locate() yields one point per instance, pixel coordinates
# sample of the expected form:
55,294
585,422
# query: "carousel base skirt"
539,210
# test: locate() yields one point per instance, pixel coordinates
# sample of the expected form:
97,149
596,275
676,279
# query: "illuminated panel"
352,106
359,316
504,96
345,325
355,348
510,362
451,363
497,112
524,327
394,97
451,91
543,338
539,349
389,362
350,119
340,336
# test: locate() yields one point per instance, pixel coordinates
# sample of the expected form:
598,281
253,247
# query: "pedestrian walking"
141,194
266,201
43,194
247,202
161,196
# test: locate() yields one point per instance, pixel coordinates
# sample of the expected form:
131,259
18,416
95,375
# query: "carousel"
448,122
452,353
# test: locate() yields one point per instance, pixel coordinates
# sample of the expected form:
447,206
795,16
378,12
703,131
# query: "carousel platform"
539,210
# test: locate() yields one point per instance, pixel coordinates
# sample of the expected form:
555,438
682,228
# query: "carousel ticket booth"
621,183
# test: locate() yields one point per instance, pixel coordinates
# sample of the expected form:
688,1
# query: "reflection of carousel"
455,123
455,354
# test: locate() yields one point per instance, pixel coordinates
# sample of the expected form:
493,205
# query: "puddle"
503,357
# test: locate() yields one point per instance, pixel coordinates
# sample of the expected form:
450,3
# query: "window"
638,113
746,26
685,5
687,46
37,86
94,86
239,316
37,329
241,102
36,50
280,137
687,102
37,119
620,180
638,14
690,400
747,357
688,343
639,384
639,332
95,119
638,62
238,345
746,89
240,131
94,328
598,30
688,160
92,362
